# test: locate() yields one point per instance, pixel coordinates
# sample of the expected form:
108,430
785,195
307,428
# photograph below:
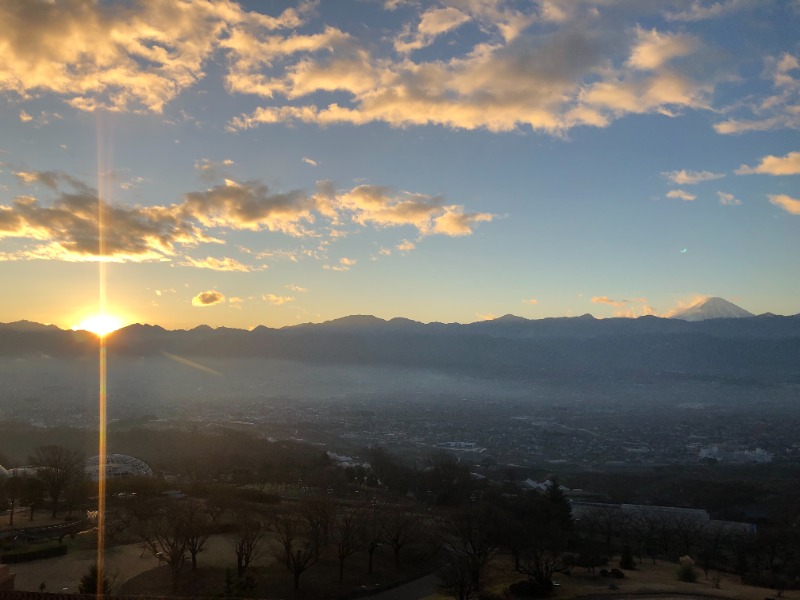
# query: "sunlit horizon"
101,325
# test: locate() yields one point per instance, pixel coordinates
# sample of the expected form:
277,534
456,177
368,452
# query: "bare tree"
348,536
162,527
248,537
297,550
373,532
198,528
319,513
467,539
58,469
400,527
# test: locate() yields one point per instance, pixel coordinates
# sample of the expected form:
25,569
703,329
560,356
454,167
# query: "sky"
279,163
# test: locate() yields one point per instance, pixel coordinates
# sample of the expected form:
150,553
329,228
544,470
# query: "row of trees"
55,473
296,535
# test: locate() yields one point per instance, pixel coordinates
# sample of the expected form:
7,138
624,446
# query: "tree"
319,513
58,468
88,583
399,528
348,536
248,537
11,490
31,493
297,552
162,527
198,528
467,539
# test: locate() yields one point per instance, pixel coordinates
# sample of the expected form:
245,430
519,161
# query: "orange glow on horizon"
100,325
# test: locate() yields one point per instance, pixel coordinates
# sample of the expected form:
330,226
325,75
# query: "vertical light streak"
101,430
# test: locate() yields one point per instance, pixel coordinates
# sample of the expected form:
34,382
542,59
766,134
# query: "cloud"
209,298
530,301
587,72
700,11
211,170
120,56
486,316
787,203
774,165
627,308
406,246
433,23
653,49
221,264
277,300
296,288
310,161
380,206
25,117
66,228
343,265
683,304
728,199
682,195
607,300
686,177
779,110
250,205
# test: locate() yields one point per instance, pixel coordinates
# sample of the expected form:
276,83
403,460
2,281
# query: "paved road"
413,590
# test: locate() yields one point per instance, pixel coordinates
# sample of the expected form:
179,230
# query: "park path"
413,590
63,573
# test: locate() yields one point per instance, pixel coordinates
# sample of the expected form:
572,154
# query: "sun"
100,325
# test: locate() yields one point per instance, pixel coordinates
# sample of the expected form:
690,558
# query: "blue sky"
277,163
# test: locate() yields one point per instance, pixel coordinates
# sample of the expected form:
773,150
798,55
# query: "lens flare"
100,325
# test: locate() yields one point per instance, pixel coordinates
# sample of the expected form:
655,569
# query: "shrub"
687,572
626,560
17,556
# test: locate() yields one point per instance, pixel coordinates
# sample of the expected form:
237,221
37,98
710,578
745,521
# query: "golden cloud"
774,165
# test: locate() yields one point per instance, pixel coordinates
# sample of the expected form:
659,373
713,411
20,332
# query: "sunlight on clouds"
684,303
774,165
276,299
607,300
787,203
221,264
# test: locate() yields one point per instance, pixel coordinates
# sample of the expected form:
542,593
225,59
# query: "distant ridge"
712,308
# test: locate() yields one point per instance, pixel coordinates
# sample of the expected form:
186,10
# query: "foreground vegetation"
236,515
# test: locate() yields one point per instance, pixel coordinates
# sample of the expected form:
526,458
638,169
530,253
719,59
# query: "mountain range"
756,349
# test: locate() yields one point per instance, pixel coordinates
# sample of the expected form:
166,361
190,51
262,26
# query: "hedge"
17,556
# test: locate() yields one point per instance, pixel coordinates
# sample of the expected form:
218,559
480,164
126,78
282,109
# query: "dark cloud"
208,298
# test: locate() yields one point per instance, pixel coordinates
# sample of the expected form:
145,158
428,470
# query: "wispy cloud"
607,300
406,246
728,199
778,110
310,161
681,195
221,264
530,301
774,165
686,177
276,299
296,288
